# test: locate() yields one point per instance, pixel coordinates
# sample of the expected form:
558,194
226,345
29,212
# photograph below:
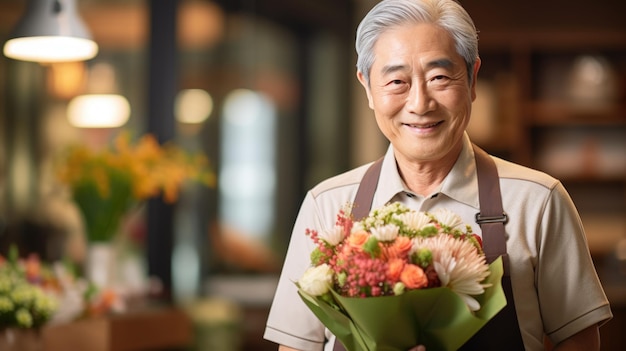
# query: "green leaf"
371,247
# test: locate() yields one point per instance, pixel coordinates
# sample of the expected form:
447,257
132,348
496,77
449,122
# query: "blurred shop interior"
267,91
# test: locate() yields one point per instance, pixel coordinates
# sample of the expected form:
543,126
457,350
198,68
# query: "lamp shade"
50,31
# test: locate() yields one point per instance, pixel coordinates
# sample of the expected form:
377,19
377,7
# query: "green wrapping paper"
436,318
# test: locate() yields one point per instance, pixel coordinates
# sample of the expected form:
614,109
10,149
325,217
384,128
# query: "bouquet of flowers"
34,293
401,278
24,301
105,184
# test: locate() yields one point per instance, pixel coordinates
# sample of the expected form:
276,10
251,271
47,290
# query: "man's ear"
474,77
366,86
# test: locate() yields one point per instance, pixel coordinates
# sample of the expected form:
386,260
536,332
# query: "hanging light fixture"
50,31
101,106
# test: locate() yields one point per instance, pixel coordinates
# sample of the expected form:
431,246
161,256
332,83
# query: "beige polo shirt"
552,272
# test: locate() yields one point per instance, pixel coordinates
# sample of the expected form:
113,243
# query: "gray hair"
448,14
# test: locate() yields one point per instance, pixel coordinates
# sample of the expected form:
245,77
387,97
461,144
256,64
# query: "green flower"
24,318
6,305
44,305
423,257
5,283
23,304
23,294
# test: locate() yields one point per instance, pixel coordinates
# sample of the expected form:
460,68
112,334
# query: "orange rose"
395,268
413,277
399,248
357,239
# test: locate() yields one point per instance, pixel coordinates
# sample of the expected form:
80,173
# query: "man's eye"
396,86
440,77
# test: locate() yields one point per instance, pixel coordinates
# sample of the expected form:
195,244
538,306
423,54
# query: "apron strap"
365,193
491,217
502,332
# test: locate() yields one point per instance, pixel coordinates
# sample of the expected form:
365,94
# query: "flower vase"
100,264
18,339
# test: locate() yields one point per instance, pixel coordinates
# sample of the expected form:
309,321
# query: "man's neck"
424,178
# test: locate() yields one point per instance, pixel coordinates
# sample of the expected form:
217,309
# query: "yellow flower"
105,184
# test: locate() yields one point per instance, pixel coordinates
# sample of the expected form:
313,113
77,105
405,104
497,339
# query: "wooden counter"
154,328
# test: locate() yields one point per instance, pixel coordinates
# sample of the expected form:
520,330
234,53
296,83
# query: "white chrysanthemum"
414,220
458,265
387,232
333,236
357,227
448,218
316,281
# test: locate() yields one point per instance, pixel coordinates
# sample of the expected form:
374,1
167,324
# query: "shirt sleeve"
290,322
570,294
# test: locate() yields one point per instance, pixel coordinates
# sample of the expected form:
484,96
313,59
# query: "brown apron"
501,332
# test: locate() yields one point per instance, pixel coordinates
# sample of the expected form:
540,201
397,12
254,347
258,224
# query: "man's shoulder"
346,181
519,173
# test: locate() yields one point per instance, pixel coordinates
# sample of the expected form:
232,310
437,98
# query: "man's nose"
420,100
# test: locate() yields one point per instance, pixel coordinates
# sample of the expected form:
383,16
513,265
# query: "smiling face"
420,92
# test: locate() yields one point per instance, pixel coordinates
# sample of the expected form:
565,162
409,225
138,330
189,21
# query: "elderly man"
418,62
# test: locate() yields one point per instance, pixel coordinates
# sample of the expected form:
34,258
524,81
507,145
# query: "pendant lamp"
101,106
50,31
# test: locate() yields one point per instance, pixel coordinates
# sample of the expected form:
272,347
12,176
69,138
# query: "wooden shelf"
552,40
566,114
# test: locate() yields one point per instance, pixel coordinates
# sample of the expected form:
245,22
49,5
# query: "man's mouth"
423,125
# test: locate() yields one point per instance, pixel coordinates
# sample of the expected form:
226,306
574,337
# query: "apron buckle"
491,219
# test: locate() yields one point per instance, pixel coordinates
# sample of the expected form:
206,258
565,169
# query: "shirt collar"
461,184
